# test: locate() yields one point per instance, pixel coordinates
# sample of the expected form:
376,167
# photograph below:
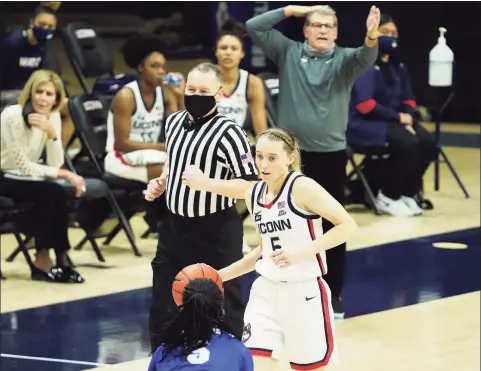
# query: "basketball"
191,272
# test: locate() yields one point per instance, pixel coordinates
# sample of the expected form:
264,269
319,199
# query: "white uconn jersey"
235,106
282,224
145,125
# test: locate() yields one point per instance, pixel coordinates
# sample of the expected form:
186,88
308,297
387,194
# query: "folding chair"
8,212
357,169
89,58
76,214
89,115
86,52
50,61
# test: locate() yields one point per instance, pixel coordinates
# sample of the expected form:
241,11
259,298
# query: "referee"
209,166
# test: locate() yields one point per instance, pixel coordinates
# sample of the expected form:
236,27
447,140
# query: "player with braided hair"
197,338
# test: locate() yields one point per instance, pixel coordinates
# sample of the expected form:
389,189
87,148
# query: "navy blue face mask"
387,44
42,34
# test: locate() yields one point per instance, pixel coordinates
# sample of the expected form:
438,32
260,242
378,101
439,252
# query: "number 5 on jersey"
275,243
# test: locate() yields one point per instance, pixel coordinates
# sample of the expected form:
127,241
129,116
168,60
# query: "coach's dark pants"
215,240
329,170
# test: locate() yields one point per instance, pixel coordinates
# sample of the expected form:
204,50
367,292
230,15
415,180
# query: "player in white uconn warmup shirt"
289,307
135,122
243,92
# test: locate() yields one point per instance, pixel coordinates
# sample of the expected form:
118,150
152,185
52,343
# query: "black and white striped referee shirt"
219,147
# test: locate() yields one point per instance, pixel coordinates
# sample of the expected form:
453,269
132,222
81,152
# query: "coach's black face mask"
199,105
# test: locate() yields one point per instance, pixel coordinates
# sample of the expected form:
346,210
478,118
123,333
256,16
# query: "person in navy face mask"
23,51
382,115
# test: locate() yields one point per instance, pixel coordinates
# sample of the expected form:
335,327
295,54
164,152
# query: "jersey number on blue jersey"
199,356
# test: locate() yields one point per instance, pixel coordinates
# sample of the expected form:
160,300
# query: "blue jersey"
223,352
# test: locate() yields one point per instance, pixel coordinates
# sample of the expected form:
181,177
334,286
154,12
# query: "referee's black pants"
215,240
329,170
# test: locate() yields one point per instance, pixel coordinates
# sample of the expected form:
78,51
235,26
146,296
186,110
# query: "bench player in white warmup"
290,304
244,93
135,121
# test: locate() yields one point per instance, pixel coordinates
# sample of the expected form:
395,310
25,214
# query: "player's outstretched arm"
239,268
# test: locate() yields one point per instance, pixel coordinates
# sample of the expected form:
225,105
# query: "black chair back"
89,115
87,52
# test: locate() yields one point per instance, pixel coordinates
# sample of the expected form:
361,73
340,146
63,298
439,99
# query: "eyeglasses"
329,26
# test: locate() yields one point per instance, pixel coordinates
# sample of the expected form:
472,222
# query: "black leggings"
409,158
48,221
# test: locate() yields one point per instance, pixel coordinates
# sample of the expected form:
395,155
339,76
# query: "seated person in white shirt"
27,129
135,122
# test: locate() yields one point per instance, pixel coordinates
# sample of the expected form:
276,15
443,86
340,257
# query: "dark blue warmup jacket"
377,97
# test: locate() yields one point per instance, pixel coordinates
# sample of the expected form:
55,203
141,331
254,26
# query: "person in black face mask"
383,108
23,51
209,166
201,96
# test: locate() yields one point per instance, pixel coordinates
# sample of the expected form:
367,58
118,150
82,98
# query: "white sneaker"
392,207
412,204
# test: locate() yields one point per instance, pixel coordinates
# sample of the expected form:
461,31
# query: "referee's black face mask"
199,105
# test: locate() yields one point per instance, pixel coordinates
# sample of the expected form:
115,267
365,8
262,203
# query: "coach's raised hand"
372,23
300,10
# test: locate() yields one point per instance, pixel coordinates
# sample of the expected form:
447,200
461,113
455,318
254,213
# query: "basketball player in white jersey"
243,92
135,122
289,308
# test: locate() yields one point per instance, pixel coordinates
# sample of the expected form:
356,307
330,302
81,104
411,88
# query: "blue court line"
43,359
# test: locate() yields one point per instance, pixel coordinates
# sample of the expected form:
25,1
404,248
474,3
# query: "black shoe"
57,275
337,307
67,275
40,275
